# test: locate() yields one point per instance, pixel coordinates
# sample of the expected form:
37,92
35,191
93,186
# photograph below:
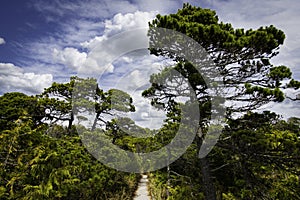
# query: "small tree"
57,102
112,102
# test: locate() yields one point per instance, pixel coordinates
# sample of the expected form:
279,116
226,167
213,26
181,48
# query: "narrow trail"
142,192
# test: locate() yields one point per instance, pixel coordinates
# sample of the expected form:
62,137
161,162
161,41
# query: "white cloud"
121,23
70,57
76,31
286,109
129,21
88,28
122,34
13,78
163,7
2,41
89,47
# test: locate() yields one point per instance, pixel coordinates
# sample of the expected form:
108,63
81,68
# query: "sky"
44,41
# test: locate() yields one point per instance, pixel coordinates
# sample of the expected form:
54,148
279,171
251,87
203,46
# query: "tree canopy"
242,57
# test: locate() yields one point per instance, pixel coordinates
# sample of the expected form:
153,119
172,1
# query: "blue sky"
44,41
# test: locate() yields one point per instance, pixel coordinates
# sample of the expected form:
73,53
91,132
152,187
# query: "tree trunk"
168,173
209,188
95,122
71,121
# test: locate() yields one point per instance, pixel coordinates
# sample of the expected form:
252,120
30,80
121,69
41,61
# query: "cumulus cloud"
147,116
131,23
123,22
106,54
122,34
13,78
86,31
2,41
70,57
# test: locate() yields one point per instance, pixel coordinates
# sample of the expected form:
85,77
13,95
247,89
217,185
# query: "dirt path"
142,191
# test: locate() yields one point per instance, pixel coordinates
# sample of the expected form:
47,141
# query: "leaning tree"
242,58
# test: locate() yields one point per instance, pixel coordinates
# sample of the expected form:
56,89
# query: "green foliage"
257,157
266,93
37,166
279,73
294,84
41,160
60,104
204,27
120,101
16,106
62,101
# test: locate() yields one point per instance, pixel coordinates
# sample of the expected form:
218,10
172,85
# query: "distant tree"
62,101
111,103
15,106
57,102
